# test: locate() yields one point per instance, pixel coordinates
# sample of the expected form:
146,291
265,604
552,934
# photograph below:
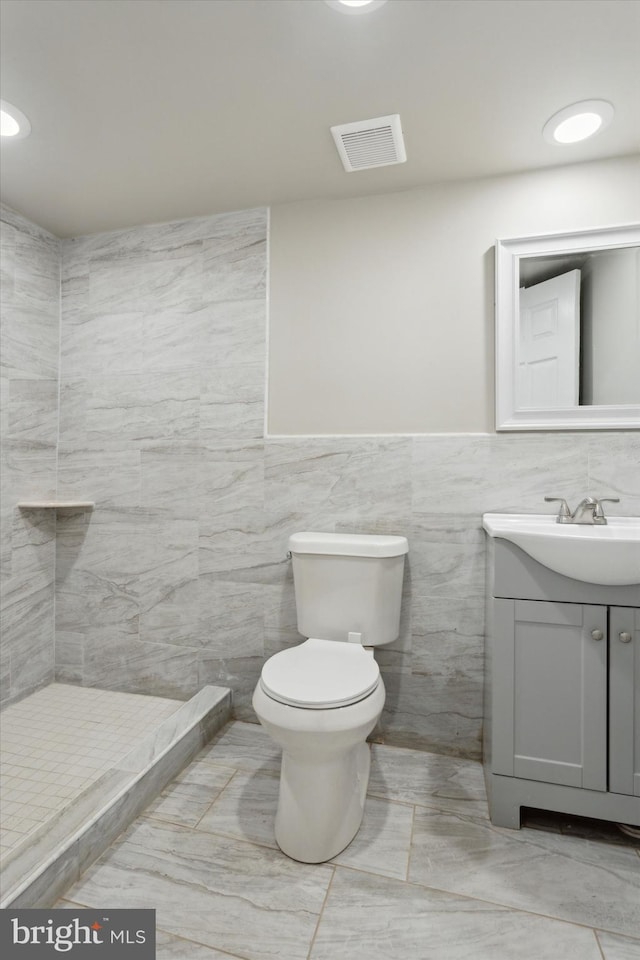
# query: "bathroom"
225,378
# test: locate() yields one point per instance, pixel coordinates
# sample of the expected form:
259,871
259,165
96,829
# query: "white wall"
381,308
30,262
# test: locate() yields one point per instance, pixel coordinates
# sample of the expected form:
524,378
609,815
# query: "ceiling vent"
370,143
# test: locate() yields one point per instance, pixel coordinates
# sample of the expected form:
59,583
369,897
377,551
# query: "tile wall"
179,577
29,336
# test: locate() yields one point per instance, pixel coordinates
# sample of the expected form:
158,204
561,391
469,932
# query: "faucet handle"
599,512
564,513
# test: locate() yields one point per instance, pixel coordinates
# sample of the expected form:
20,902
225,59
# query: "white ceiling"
151,110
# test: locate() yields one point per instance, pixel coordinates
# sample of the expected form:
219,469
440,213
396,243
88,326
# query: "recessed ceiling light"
13,123
355,6
579,121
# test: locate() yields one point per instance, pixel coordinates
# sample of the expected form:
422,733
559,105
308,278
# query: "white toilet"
322,698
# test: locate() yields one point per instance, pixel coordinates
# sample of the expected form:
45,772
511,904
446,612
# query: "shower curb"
83,833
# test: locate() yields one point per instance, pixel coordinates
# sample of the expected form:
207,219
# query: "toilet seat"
320,674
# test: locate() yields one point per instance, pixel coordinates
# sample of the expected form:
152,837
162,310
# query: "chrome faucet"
588,510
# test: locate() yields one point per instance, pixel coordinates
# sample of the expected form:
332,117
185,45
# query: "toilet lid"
320,674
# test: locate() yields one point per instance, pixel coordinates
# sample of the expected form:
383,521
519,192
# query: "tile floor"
58,741
427,878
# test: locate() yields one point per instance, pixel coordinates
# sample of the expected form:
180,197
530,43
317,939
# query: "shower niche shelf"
56,505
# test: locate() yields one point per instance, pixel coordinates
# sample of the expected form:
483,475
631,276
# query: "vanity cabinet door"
550,692
624,719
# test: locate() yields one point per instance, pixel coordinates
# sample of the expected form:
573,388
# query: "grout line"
267,330
413,823
494,903
321,914
595,933
231,778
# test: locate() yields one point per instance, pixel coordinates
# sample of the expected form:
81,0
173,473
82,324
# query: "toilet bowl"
320,700
325,757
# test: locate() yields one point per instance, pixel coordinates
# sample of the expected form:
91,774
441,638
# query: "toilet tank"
348,583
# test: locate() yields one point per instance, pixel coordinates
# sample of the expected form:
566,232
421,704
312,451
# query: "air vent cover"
370,143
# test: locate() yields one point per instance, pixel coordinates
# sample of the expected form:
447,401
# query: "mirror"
568,331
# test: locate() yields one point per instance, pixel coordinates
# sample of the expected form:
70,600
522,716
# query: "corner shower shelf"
56,505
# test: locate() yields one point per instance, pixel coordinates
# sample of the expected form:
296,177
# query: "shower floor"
57,742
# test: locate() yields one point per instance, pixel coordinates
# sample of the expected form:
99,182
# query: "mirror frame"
508,255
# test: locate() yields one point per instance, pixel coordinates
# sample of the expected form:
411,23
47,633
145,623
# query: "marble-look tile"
120,662
29,337
29,332
370,918
166,586
233,540
5,388
37,272
33,546
181,728
132,284
232,402
5,677
33,410
153,241
235,896
233,332
494,473
614,470
104,471
171,338
239,673
450,473
615,947
27,633
245,808
98,565
559,876
246,746
50,883
240,552
439,714
448,639
447,682
236,262
382,844
280,615
448,556
72,410
93,342
428,779
231,620
169,947
523,469
28,471
191,794
232,483
69,657
6,527
361,484
151,406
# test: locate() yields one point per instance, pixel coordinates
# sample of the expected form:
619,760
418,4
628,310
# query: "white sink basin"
607,554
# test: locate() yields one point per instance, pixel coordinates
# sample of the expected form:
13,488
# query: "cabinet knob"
625,637
597,634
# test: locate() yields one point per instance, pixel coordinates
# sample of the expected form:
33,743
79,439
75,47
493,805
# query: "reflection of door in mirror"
549,343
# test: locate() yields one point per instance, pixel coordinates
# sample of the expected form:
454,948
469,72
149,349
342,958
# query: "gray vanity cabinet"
562,703
624,700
